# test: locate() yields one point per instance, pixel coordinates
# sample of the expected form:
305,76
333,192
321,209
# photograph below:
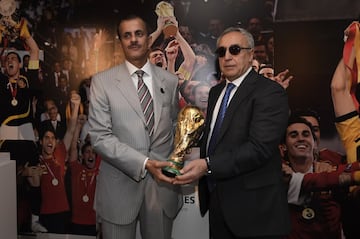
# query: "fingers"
191,172
283,79
154,167
163,178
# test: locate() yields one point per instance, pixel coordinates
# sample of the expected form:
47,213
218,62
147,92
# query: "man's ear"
283,150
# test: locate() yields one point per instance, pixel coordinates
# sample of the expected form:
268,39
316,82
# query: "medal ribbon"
13,90
91,181
48,168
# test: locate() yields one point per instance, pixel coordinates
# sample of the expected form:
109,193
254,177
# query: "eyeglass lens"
233,49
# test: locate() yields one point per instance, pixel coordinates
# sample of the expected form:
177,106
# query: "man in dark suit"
53,121
240,165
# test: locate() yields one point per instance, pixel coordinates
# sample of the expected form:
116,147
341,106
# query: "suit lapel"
127,88
158,83
243,91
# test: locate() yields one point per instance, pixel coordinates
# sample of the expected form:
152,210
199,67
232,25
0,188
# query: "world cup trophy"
165,9
11,25
190,124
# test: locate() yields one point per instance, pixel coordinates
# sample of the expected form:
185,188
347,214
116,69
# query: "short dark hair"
83,148
156,48
15,53
263,66
306,112
46,127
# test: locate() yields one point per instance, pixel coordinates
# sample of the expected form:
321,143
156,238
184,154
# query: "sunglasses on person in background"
233,49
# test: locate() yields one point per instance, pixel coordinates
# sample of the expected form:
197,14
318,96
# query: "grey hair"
247,34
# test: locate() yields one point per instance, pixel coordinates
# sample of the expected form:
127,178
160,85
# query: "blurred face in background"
51,109
88,157
201,96
157,57
268,72
185,32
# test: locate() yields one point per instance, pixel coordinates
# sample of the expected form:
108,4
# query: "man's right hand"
154,167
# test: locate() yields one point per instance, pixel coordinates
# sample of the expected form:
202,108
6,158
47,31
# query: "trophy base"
169,31
170,172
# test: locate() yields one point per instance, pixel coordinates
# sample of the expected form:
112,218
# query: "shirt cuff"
143,170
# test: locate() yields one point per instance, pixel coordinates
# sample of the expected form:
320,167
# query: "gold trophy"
165,9
11,25
190,124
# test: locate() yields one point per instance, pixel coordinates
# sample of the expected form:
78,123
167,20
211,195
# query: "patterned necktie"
220,117
146,102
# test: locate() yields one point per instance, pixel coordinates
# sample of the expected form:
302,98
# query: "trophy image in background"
190,124
11,25
165,9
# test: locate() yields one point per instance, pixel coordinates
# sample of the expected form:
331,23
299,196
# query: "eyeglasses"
233,49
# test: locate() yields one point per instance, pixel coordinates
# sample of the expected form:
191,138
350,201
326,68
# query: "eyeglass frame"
234,50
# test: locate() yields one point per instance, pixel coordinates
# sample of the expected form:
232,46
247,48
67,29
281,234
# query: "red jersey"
53,193
83,182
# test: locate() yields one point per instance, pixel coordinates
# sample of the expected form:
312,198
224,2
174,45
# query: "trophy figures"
165,9
11,25
188,131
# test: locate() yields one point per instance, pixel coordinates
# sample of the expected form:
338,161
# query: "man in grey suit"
134,145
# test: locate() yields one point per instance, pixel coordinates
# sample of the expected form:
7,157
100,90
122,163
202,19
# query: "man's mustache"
134,45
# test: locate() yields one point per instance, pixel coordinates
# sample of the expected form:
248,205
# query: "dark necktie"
146,102
220,118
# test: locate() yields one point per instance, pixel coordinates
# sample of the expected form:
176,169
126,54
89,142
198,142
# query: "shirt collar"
132,69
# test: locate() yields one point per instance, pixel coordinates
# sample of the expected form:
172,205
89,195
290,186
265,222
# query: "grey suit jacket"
118,133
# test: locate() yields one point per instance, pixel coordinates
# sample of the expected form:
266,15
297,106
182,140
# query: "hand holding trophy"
11,26
188,131
165,9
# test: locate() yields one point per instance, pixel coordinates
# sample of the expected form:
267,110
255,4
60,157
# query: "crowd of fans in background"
74,50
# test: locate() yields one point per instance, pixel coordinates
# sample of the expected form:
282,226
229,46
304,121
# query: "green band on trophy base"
173,171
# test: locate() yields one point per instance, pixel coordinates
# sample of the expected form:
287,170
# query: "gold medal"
14,102
55,182
308,213
85,198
